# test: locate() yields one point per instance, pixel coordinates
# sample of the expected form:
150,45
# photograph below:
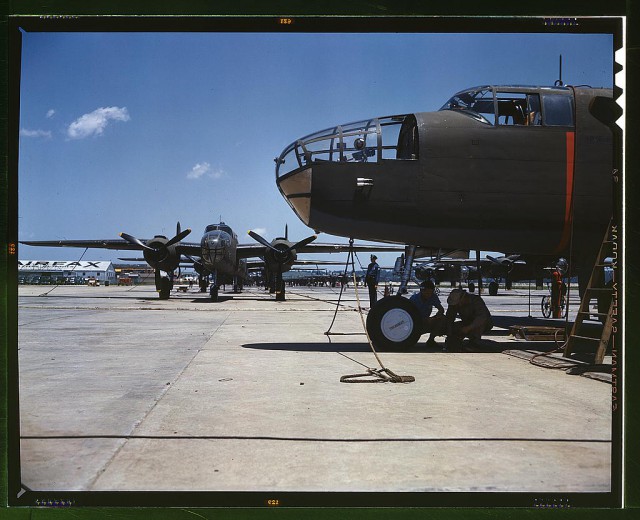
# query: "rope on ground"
47,293
374,375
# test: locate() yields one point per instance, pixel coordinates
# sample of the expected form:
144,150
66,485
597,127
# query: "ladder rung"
599,288
594,313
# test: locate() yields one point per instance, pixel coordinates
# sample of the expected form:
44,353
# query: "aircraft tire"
165,288
214,293
493,289
393,323
472,287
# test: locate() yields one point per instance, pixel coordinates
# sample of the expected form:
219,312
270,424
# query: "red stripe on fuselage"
570,170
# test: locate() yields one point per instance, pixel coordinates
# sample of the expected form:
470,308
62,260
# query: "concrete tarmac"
122,391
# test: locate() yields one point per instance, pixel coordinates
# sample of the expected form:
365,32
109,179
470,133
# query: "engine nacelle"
163,257
283,257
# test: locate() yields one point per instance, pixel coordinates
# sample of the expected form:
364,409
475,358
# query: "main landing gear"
164,284
393,323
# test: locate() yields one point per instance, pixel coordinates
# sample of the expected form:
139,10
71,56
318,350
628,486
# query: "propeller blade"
262,241
303,242
178,237
135,241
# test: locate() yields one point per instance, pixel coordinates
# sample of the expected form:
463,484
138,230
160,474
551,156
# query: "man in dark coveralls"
371,279
475,319
424,301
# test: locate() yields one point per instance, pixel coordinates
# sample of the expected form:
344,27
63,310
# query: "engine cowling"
162,257
283,257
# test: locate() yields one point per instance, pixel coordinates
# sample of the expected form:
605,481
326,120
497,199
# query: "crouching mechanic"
425,300
475,319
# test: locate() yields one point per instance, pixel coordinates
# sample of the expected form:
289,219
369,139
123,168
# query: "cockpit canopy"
515,105
220,227
372,140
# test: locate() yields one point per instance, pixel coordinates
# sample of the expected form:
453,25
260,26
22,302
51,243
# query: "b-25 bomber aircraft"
218,256
519,169
510,268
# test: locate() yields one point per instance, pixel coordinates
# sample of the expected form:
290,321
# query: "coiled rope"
372,375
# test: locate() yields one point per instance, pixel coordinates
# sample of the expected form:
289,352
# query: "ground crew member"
556,293
475,316
371,279
425,300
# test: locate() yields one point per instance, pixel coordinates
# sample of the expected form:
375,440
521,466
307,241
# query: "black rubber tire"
493,289
472,287
393,323
213,292
165,289
545,306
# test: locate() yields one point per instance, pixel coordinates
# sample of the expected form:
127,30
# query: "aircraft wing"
503,261
251,250
318,262
187,248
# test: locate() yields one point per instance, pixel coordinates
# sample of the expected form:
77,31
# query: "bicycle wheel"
545,306
563,307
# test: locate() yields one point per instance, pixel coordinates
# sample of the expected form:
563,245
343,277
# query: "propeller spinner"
158,251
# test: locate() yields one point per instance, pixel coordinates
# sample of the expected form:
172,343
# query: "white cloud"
50,113
217,174
199,170
35,133
95,122
204,168
260,231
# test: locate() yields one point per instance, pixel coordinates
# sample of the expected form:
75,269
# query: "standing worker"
556,293
558,288
371,279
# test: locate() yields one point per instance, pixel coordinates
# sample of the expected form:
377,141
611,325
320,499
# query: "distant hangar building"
102,271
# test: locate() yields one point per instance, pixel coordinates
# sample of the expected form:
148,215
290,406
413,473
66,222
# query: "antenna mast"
558,82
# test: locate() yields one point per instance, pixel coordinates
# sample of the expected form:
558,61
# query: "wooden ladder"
596,287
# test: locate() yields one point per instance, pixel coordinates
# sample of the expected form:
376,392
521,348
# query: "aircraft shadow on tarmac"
206,299
485,346
312,347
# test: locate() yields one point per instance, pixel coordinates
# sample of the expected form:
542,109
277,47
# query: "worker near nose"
371,279
425,300
474,315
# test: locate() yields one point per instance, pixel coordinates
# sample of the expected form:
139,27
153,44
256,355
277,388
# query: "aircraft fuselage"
219,251
497,168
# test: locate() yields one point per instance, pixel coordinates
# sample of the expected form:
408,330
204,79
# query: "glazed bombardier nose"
215,246
318,157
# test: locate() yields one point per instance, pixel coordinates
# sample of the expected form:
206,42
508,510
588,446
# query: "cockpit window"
518,108
558,110
373,140
476,103
220,227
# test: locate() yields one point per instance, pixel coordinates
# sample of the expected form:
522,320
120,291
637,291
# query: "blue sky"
135,131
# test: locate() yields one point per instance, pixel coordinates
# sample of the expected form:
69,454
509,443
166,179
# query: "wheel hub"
396,325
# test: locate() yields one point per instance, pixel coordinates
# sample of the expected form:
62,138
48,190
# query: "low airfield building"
61,271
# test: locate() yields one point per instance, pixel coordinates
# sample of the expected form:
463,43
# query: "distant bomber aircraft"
218,255
522,170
